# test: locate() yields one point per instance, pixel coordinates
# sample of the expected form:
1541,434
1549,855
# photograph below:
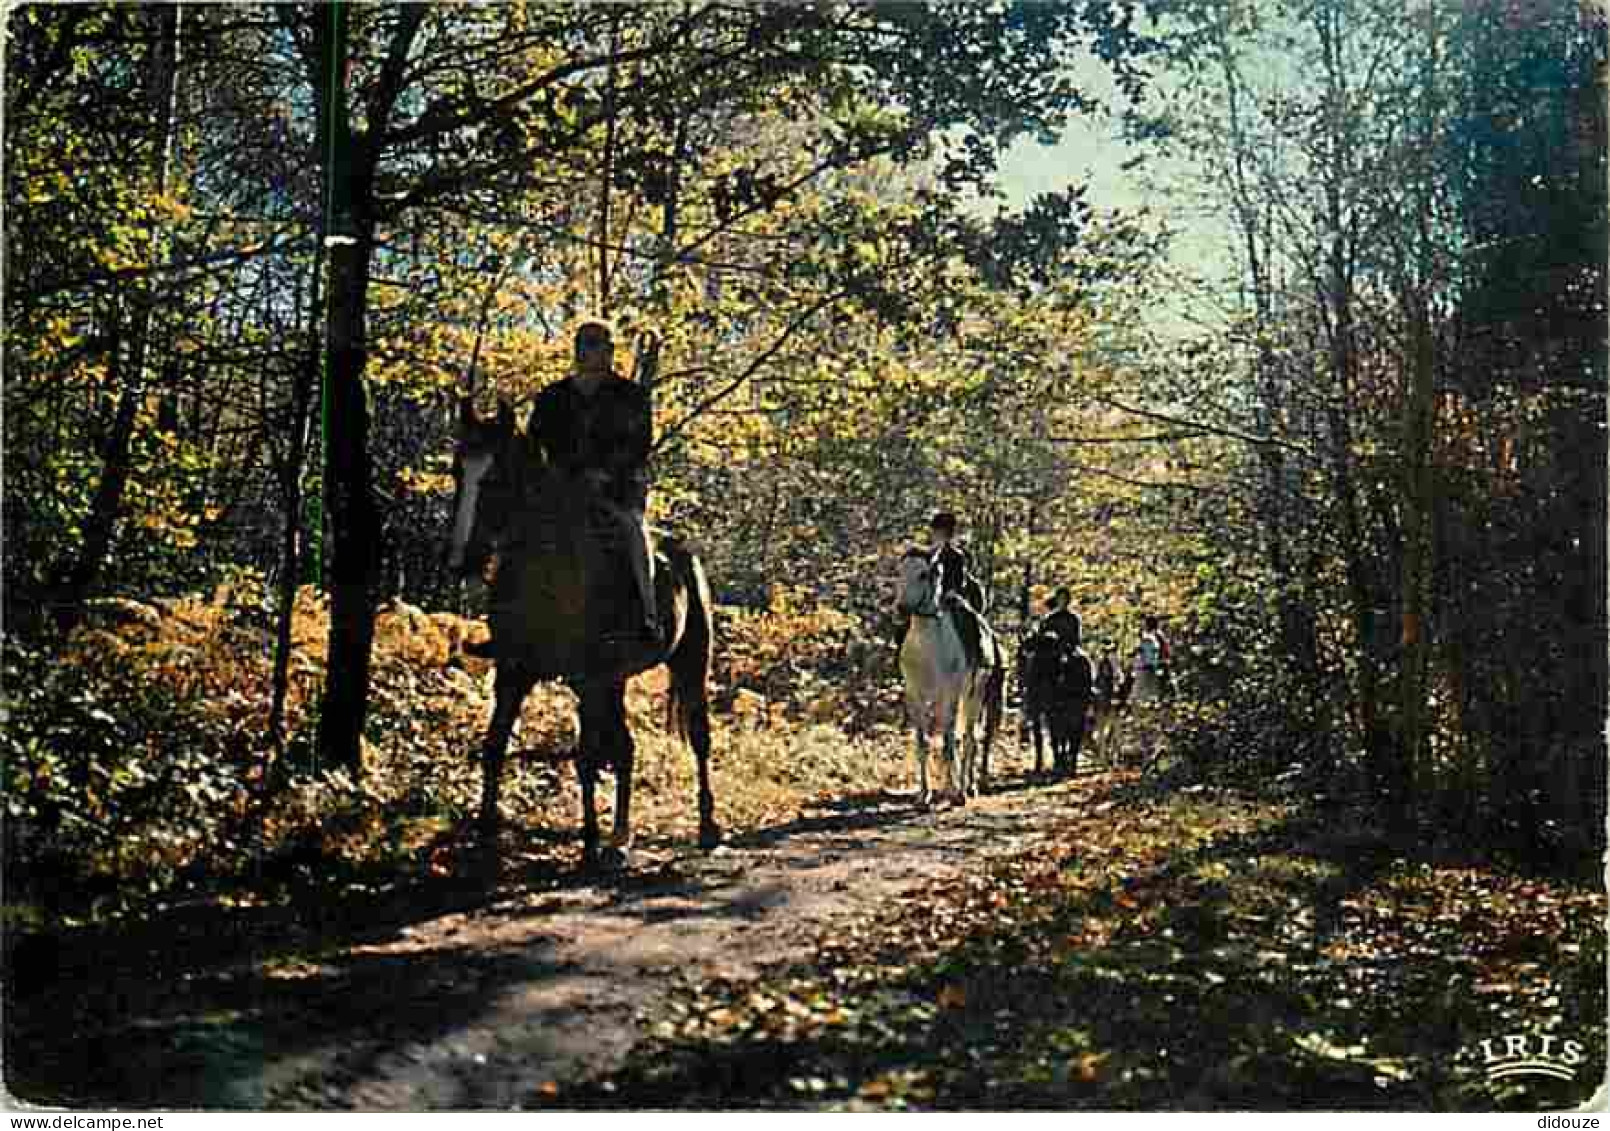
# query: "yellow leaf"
1087,1068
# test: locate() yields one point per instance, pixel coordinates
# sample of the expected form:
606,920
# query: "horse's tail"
687,704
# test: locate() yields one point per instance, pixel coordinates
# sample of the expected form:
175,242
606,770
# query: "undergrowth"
136,762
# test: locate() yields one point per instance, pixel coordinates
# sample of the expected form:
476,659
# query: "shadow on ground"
186,1007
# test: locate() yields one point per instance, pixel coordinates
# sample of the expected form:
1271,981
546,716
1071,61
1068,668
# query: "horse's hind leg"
699,739
972,766
1076,737
688,699
968,712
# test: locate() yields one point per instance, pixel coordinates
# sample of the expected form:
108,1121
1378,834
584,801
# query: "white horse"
943,687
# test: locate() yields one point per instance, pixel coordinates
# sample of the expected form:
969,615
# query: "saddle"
979,642
571,596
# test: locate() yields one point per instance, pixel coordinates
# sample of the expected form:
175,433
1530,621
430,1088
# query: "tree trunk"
307,378
351,514
1025,593
1418,420
648,361
79,578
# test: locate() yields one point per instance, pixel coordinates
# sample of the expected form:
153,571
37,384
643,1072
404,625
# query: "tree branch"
751,369
1200,426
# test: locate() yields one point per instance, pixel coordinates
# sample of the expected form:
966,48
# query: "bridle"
497,490
928,606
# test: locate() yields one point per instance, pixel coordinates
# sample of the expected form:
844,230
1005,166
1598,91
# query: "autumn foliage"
137,761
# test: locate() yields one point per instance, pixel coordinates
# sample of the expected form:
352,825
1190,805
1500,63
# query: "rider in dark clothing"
602,437
949,559
597,426
959,590
951,562
1062,622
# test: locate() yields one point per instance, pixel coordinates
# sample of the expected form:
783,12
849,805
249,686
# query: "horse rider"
1150,661
959,591
950,560
1107,679
1062,622
1077,689
597,425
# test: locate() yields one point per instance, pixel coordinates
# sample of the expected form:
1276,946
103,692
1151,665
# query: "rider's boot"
639,642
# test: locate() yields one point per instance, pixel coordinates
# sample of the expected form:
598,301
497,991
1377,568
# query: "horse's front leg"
623,754
925,794
511,688
594,751
1059,728
587,775
620,836
920,716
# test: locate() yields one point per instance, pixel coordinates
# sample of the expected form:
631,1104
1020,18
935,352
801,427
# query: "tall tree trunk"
1418,420
351,513
79,578
1267,376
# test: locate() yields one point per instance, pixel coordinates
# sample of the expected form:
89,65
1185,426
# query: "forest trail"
481,999
561,978
1117,941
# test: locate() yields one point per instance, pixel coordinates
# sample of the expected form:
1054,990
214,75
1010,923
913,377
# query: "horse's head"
485,482
917,592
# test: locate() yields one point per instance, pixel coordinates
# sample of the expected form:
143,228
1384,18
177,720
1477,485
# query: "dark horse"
1056,679
549,598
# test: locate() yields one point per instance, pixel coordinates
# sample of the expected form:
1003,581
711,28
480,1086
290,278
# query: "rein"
928,608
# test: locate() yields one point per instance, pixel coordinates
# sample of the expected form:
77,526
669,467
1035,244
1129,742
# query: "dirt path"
480,1009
